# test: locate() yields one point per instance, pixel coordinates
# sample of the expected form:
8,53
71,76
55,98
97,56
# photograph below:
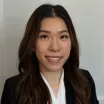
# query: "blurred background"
88,20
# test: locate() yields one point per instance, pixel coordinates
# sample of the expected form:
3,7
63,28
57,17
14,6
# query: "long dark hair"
31,87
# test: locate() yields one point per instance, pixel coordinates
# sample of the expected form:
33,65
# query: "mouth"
53,59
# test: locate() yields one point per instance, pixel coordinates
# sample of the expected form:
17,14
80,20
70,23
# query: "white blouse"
61,98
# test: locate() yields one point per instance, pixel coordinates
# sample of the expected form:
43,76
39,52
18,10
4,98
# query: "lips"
53,59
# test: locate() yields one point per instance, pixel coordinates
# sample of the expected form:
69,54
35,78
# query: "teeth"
54,58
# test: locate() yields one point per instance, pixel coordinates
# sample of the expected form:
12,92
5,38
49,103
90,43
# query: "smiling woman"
49,63
52,43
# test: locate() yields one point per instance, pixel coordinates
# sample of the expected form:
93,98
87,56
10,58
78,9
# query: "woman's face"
53,44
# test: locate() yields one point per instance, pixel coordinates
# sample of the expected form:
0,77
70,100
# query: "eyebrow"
46,31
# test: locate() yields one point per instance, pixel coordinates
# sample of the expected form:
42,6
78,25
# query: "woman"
49,63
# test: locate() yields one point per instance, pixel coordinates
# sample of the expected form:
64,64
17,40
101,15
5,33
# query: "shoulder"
88,76
9,90
94,99
12,81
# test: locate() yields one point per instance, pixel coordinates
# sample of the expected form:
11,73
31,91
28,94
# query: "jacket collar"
69,91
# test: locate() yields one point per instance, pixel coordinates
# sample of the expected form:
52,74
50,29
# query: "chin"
54,68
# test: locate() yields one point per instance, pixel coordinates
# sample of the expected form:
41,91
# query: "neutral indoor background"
88,19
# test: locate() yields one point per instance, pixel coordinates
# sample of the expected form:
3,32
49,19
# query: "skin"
53,41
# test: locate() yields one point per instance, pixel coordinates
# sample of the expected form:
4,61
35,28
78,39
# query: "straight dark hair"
31,87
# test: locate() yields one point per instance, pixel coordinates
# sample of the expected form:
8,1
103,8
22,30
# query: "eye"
43,37
64,37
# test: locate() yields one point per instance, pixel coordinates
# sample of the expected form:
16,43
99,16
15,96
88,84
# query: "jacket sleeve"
94,99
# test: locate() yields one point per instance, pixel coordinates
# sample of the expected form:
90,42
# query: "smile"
53,59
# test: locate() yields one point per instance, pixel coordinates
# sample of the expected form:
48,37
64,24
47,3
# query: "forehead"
53,24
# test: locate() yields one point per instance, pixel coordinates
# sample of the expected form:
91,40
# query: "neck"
53,78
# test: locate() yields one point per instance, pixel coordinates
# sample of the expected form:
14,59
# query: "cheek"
39,53
67,48
40,49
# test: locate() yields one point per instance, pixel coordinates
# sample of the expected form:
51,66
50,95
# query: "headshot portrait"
49,70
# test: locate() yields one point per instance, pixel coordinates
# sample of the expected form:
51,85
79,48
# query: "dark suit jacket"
8,95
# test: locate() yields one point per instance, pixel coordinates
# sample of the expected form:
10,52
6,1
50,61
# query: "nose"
54,45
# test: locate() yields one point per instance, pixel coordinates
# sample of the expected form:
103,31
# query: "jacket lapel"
69,92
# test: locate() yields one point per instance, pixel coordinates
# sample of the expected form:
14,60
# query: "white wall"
88,18
1,45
